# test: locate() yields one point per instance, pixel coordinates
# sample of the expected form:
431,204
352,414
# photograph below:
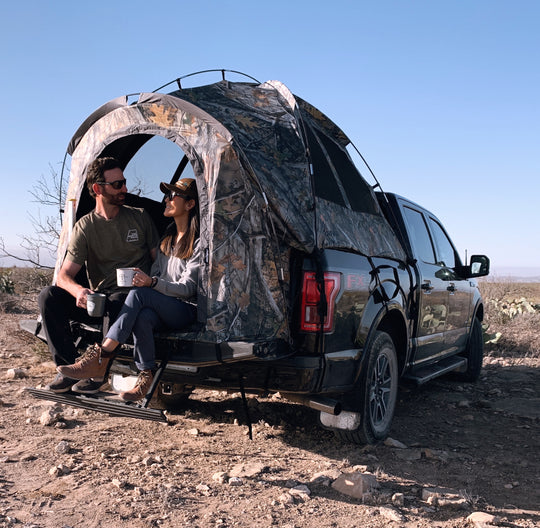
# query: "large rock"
391,442
16,373
50,417
301,491
356,485
325,478
444,498
391,514
63,447
439,492
248,470
220,477
482,520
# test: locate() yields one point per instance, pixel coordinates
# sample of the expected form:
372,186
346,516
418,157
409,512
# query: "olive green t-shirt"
103,245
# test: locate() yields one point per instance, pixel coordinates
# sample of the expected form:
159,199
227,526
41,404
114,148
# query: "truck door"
433,295
459,290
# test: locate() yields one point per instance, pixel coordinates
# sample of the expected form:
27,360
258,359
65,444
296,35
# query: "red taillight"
310,320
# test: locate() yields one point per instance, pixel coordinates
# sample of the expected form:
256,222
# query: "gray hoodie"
177,277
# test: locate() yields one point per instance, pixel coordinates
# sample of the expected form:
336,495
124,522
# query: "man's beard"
114,199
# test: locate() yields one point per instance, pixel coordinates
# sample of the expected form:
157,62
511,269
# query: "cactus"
6,284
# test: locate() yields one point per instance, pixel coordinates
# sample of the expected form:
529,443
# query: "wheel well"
394,325
479,314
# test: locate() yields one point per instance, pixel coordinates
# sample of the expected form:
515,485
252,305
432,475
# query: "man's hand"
81,298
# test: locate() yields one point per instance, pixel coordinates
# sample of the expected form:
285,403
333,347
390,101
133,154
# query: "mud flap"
345,420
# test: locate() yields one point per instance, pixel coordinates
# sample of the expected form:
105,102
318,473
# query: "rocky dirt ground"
455,450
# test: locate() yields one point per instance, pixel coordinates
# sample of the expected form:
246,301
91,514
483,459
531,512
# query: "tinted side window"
446,254
419,235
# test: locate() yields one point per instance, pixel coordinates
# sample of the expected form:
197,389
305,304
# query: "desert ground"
459,454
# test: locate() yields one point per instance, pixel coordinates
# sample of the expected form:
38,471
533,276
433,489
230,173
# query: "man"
112,236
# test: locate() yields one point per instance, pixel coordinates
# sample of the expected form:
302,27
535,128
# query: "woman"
165,299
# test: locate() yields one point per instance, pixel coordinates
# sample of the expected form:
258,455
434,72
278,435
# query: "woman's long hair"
184,248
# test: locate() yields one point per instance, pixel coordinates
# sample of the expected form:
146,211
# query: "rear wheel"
378,392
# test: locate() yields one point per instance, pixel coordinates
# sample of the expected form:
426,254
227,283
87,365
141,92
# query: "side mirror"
479,266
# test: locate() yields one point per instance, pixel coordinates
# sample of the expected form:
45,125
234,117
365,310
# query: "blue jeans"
144,311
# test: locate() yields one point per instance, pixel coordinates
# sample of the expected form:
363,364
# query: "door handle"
426,286
451,288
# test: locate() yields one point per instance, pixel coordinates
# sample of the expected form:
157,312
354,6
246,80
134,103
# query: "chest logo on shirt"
132,236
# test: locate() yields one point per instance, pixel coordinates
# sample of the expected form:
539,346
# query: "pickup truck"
312,284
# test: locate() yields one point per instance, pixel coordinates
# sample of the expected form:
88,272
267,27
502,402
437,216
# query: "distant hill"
515,274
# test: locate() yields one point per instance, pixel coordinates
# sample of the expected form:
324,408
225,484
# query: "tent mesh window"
336,179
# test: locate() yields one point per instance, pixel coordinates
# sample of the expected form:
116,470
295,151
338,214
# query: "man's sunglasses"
118,184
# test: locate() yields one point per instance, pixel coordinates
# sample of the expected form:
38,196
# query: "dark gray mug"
95,304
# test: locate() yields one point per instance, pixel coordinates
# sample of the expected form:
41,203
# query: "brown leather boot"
144,382
93,363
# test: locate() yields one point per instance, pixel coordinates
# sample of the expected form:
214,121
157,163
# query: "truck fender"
478,310
391,318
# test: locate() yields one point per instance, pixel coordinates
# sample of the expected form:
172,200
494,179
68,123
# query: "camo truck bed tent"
271,170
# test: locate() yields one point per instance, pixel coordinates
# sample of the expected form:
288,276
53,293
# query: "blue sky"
441,98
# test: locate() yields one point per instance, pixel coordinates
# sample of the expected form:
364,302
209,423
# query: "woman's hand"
141,279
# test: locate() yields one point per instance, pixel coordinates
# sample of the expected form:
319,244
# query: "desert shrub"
33,280
8,302
20,287
512,318
7,290
29,280
6,283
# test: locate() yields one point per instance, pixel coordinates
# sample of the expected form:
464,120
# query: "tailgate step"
100,404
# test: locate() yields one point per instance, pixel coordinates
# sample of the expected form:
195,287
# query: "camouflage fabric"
250,149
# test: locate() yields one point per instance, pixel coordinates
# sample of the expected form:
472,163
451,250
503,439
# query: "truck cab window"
446,255
419,235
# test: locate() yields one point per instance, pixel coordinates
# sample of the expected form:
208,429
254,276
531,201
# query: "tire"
378,392
474,354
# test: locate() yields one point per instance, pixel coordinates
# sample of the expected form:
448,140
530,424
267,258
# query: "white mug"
124,277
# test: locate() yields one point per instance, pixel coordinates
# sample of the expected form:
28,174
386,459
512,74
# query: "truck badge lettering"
354,282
